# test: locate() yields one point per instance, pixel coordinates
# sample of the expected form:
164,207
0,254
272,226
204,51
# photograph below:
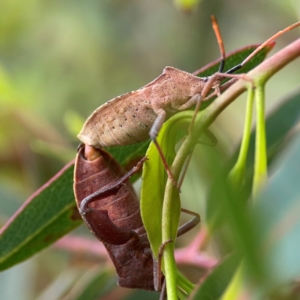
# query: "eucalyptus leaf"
95,285
276,214
45,217
279,123
267,233
236,57
155,177
217,281
125,155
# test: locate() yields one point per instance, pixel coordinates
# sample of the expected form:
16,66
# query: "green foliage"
277,221
234,58
154,175
216,283
60,57
253,229
97,283
48,215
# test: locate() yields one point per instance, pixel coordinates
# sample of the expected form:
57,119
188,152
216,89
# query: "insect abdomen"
119,122
91,176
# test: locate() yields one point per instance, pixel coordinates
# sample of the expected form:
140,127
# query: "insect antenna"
217,32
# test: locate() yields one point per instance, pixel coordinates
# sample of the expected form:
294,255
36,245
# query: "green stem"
172,202
203,120
170,272
237,173
170,267
260,162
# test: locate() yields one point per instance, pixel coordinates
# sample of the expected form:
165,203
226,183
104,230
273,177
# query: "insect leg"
165,163
157,273
192,101
110,189
163,294
161,116
160,119
190,224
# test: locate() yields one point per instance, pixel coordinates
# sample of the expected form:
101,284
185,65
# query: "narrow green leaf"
46,216
229,210
155,177
217,281
276,216
95,285
279,123
279,203
125,155
236,57
152,193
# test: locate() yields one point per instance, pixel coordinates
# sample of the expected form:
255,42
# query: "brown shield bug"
133,117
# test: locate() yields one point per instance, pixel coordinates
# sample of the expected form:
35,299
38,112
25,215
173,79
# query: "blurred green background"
59,60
